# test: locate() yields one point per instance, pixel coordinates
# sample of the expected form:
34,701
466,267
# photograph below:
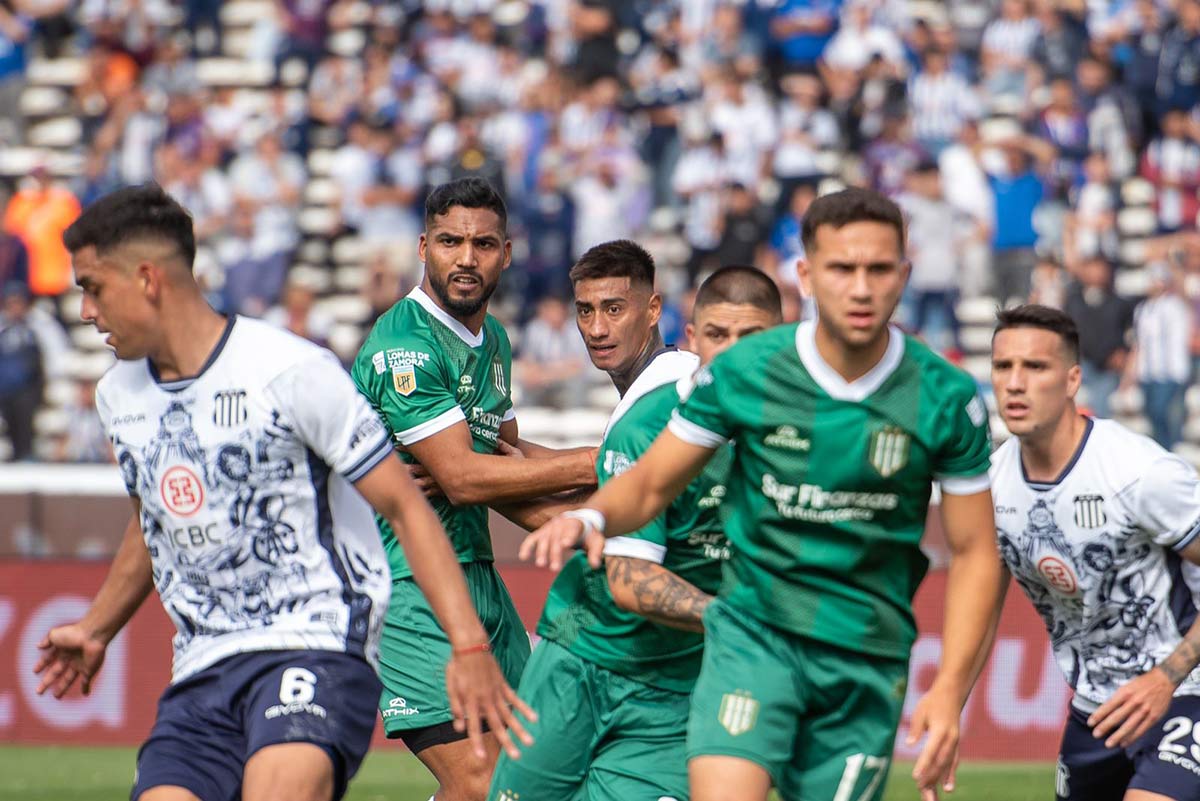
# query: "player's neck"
189,337
623,379
850,363
1046,456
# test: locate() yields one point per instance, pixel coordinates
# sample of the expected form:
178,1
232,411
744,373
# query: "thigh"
295,771
510,640
561,688
1166,760
1087,771
323,699
746,702
413,652
846,740
195,745
643,754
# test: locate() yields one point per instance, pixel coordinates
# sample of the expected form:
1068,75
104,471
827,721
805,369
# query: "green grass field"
105,774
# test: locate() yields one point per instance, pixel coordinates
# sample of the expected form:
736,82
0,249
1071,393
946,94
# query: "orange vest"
39,217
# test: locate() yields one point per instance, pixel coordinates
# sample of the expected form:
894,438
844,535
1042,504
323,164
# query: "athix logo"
398,707
465,385
738,712
788,438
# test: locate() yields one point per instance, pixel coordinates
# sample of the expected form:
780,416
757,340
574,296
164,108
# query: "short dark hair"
470,193
741,286
1033,315
620,258
850,206
133,212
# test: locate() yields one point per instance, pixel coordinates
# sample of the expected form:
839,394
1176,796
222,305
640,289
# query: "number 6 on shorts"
297,686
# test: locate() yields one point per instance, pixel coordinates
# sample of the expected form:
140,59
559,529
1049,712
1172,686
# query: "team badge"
181,491
404,379
888,450
498,379
1089,511
1058,574
738,712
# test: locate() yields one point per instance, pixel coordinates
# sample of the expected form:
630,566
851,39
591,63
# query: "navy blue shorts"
1165,760
211,723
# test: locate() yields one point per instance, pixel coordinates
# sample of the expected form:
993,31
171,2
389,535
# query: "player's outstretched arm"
655,593
623,505
476,686
1142,702
974,591
467,477
76,650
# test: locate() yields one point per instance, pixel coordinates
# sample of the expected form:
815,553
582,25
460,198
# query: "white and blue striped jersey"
1097,553
258,540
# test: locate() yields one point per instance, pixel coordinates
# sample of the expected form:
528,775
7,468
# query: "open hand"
69,652
478,692
546,545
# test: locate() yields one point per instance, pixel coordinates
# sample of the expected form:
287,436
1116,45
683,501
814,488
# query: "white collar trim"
426,302
667,368
829,380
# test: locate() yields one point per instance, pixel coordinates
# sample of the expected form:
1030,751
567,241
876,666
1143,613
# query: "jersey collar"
828,379
668,367
177,384
436,311
1042,486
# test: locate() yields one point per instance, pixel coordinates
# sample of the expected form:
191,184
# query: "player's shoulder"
937,373
754,351
124,377
1109,439
403,333
265,350
649,412
1005,458
494,328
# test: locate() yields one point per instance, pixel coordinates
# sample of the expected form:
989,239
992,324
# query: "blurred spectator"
334,90
609,202
1091,227
268,181
15,30
552,360
785,248
1050,283
1064,125
1172,164
254,263
173,72
1104,319
594,30
941,102
1163,327
744,229
742,113
304,25
1179,60
297,311
21,376
858,40
966,188
1007,44
1061,41
548,215
1016,191
698,179
937,235
805,129
892,156
14,261
83,439
801,29
39,212
1114,119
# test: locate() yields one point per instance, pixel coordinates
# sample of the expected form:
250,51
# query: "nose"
87,310
1016,380
597,328
860,287
468,257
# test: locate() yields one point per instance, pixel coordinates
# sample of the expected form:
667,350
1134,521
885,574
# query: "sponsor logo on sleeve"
738,712
977,411
379,362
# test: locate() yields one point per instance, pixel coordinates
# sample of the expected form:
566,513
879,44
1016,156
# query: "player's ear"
421,247
1074,380
507,254
804,273
655,308
689,331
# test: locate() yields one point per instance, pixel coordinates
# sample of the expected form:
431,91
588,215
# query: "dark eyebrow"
611,301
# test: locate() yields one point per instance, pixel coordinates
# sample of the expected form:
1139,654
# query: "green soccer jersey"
826,500
423,371
686,539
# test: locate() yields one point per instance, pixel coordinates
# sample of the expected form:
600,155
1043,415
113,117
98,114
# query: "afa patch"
404,379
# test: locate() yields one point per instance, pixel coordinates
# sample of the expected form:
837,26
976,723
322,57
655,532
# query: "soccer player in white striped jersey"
250,458
1101,528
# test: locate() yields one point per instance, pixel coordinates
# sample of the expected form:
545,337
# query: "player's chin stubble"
463,307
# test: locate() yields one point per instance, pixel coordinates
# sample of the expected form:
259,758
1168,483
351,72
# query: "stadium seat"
1137,192
60,132
56,72
346,308
233,72
43,101
1137,221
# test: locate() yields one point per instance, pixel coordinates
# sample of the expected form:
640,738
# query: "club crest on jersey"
181,491
498,379
887,450
1089,511
404,379
1058,574
738,712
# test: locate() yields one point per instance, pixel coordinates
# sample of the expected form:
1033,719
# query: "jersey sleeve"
964,456
618,452
124,459
331,417
701,419
1168,503
407,383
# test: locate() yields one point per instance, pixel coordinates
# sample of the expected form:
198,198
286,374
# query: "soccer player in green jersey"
437,368
622,646
838,429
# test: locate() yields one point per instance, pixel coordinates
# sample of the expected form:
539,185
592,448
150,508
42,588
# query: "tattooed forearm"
656,593
1185,657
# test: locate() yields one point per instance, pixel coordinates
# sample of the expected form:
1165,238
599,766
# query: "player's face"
464,251
1034,382
616,319
718,326
856,275
117,302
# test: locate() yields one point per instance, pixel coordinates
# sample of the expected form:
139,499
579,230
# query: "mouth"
600,351
465,280
1016,410
860,319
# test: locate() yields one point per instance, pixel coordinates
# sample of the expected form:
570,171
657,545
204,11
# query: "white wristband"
592,519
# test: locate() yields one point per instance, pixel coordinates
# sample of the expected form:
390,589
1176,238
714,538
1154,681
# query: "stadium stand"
303,136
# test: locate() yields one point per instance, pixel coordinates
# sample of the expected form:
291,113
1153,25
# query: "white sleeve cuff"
431,427
964,485
693,434
511,414
1187,538
636,549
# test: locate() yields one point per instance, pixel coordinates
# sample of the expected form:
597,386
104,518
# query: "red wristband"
480,648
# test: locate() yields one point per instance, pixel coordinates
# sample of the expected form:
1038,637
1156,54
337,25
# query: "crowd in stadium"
1044,149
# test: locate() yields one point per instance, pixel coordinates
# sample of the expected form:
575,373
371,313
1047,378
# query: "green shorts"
414,650
600,736
820,719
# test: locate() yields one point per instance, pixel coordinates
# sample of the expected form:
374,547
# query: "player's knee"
470,784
